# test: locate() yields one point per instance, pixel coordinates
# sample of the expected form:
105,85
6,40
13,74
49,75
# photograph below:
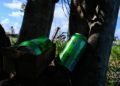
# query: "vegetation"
113,74
59,46
13,40
95,19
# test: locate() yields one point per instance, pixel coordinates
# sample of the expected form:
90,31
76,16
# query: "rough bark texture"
96,19
37,19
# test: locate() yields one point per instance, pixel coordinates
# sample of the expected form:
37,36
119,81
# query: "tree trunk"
37,19
4,42
95,19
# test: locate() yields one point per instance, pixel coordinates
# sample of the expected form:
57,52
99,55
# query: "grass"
113,73
13,40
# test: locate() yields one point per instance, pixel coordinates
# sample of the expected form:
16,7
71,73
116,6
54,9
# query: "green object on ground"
38,45
41,52
72,51
31,58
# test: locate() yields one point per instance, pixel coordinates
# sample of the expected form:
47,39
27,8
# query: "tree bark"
4,42
96,20
37,19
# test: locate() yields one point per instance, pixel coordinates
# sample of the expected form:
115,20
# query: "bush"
113,74
60,46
